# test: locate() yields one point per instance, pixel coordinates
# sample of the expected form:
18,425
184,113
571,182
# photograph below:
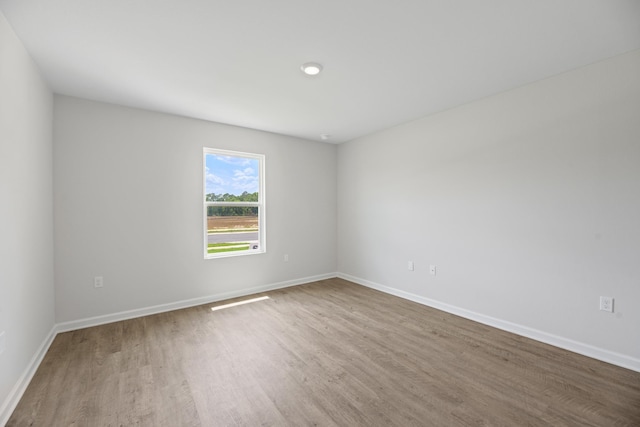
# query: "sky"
230,174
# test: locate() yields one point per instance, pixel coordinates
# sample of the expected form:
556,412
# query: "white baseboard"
18,390
146,311
10,403
551,339
20,387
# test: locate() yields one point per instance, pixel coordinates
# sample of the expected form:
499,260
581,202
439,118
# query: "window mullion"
232,204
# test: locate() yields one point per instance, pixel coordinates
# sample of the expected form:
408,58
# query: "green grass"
218,245
215,248
237,248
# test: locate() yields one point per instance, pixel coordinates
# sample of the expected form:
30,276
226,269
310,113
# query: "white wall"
128,186
528,202
26,213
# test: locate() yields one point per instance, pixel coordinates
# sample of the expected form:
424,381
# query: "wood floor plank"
329,353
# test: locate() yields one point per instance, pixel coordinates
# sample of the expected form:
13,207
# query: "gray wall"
128,207
528,203
26,218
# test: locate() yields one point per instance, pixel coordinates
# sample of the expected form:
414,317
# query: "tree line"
232,210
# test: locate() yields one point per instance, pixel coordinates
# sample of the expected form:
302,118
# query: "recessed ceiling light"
311,68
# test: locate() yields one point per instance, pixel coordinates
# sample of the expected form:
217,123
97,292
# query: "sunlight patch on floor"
233,304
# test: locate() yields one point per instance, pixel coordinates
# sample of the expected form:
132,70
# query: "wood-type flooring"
329,353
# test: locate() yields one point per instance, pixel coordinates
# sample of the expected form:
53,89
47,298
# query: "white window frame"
260,204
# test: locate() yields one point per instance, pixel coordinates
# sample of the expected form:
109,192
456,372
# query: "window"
234,200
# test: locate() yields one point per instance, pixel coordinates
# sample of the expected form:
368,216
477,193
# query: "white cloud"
236,161
214,183
244,175
245,180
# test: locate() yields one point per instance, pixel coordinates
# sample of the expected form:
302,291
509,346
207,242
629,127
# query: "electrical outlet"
286,257
3,342
432,270
606,304
98,282
410,265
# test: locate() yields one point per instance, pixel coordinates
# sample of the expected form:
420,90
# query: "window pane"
232,229
234,203
231,178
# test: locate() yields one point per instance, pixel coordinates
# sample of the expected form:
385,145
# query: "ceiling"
385,62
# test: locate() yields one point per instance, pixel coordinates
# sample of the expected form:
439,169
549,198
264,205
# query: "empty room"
337,213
